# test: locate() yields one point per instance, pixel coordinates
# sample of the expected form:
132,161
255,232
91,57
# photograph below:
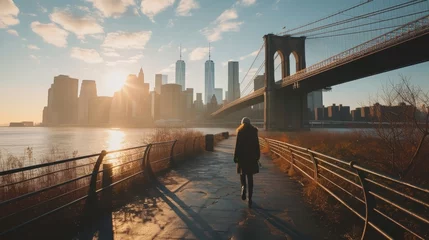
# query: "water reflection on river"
83,140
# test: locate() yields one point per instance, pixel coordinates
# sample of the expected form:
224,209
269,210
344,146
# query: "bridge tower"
285,109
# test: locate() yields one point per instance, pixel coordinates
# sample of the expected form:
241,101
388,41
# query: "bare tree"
402,124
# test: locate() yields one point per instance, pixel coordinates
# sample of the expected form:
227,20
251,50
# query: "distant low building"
22,124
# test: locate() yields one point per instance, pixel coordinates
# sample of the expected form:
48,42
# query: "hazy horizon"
94,40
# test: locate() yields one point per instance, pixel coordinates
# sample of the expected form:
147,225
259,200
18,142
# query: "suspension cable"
366,24
351,33
332,15
380,11
254,60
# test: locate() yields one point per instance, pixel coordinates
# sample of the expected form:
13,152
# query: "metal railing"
398,35
31,193
387,205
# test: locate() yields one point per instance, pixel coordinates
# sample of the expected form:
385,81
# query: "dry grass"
360,147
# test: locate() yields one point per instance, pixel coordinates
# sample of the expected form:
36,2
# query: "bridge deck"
201,200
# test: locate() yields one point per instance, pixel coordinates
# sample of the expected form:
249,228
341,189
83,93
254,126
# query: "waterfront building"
170,101
88,91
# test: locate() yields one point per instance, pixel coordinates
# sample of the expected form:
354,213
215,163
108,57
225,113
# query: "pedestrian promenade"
200,199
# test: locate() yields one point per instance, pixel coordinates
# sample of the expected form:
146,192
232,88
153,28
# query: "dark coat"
247,151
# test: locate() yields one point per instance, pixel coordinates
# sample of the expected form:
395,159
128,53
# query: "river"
15,140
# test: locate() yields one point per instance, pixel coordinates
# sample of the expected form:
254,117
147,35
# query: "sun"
115,80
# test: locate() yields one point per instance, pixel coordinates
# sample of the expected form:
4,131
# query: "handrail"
134,161
342,180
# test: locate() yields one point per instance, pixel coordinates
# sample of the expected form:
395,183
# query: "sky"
105,40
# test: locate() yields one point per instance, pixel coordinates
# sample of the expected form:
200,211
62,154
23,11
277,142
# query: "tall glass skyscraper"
209,80
233,85
180,71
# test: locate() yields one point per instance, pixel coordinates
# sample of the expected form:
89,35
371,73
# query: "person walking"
246,156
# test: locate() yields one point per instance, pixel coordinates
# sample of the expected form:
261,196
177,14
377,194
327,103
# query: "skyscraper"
219,95
88,91
180,71
233,85
160,80
209,79
315,100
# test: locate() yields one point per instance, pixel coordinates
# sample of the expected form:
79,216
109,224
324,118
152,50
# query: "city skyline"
49,38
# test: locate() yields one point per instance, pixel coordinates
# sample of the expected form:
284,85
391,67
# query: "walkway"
201,200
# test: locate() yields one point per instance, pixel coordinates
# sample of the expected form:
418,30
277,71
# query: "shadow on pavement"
197,225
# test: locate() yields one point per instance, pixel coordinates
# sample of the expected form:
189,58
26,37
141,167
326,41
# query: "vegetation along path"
201,200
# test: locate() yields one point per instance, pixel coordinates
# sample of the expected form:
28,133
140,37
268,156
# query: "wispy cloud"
185,7
33,47
13,32
170,23
110,52
168,69
224,23
151,8
79,25
50,33
247,2
252,54
35,58
112,8
8,13
199,53
130,60
224,64
164,47
127,40
86,55
258,14
41,8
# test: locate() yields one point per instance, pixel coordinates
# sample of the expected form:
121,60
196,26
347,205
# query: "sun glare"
115,79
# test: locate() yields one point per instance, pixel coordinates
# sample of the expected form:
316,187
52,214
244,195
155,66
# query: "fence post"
209,142
193,145
172,162
292,159
106,181
315,163
147,167
369,199
93,182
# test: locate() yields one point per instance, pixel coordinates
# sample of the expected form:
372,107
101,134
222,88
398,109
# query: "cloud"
112,8
224,64
50,33
127,40
169,69
199,53
170,23
31,14
252,54
136,57
164,47
79,25
130,60
12,32
247,2
8,13
258,14
33,47
86,55
185,7
150,8
136,12
223,23
41,8
110,53
98,36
